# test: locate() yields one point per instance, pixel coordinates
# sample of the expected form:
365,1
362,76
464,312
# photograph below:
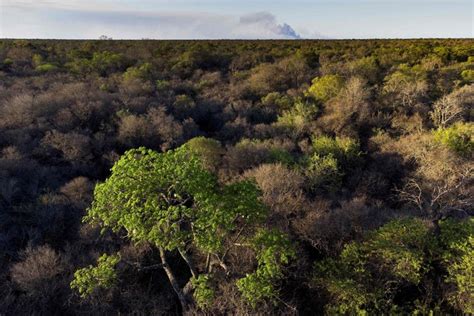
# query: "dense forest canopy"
236,177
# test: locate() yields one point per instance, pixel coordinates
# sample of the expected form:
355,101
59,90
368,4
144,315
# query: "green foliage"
468,75
323,172
302,113
331,158
103,63
169,199
7,62
406,85
203,294
366,67
458,137
41,66
238,200
143,72
400,247
88,280
37,60
155,197
405,75
281,101
342,148
367,274
457,240
46,68
281,155
325,87
274,251
162,85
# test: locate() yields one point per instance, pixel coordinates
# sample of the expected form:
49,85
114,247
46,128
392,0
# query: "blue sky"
180,19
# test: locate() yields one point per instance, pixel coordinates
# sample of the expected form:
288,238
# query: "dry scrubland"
249,177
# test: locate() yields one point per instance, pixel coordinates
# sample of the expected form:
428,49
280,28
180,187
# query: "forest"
246,177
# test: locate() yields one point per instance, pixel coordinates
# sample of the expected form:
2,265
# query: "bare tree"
449,108
440,199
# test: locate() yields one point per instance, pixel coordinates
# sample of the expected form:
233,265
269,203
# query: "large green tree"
171,201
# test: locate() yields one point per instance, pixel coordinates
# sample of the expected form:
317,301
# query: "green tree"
406,253
406,86
468,75
331,158
458,137
143,72
325,87
299,115
457,241
171,201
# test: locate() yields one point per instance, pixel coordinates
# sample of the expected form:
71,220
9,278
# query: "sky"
236,19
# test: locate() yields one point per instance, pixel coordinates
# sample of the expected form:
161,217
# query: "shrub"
39,272
74,147
468,75
325,87
78,191
143,72
299,116
162,85
183,106
406,86
280,101
282,188
19,111
323,173
106,62
250,153
366,67
349,111
345,150
331,158
46,68
280,76
452,107
458,241
155,129
459,137
209,150
367,275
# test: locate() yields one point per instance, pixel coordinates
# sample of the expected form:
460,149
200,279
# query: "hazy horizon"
187,19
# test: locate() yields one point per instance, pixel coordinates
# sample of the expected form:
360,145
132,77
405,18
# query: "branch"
139,267
189,262
173,281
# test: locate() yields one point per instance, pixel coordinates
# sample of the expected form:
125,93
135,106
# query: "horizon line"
238,39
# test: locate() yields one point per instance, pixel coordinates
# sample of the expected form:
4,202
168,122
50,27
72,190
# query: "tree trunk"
173,281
